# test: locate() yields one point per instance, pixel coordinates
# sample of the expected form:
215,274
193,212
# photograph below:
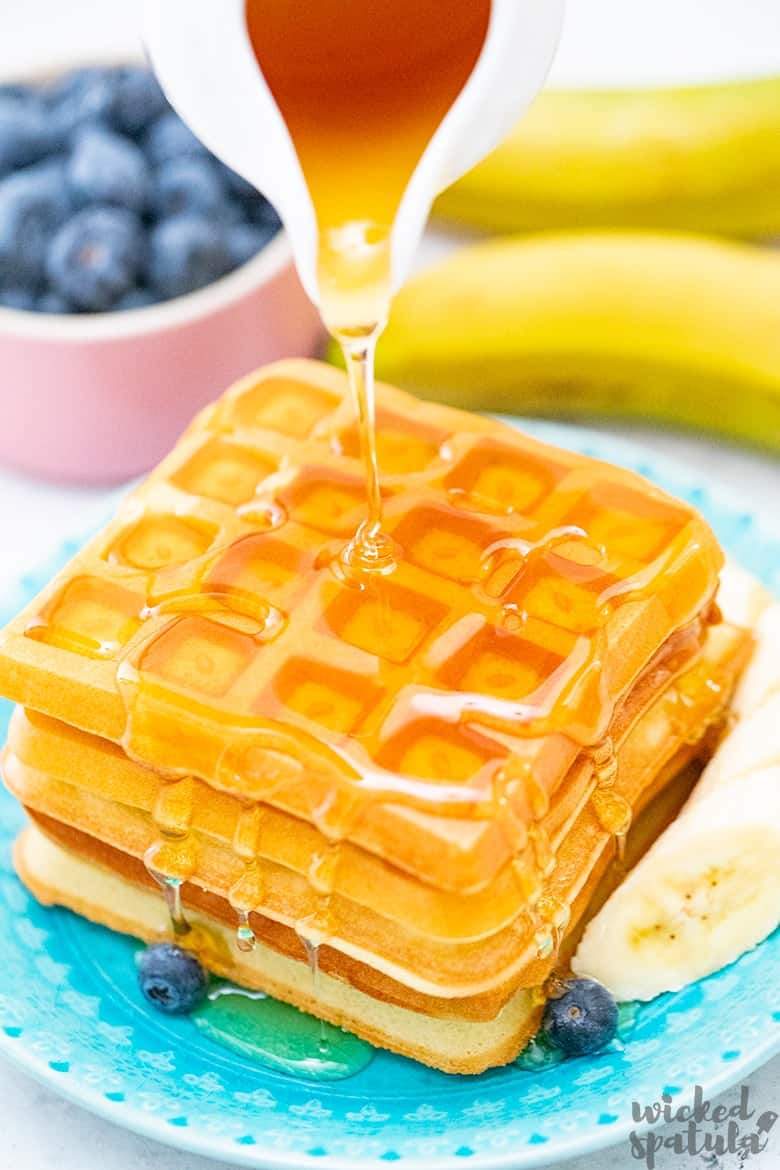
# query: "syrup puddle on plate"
276,1036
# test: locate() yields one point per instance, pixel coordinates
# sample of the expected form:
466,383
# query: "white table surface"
37,1129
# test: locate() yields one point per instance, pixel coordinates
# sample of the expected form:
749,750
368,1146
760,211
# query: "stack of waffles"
386,798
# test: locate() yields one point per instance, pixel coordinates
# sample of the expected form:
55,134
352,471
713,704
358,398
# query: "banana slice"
742,599
753,744
705,893
761,680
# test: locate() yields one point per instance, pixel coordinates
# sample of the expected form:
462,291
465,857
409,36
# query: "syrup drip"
545,858
264,512
532,867
173,858
171,888
533,859
605,763
537,794
370,550
502,812
544,939
528,879
511,619
555,706
245,936
246,894
322,877
314,929
522,553
312,950
613,810
551,920
238,610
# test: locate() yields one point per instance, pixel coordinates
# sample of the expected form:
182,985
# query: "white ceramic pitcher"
203,57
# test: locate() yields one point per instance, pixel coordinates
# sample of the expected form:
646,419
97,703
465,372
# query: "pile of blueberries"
108,201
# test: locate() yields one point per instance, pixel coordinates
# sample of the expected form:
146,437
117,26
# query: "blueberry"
25,132
33,204
81,98
52,302
138,99
236,184
17,298
189,186
171,979
186,253
245,240
582,1020
87,79
108,168
261,212
96,257
16,90
136,298
168,138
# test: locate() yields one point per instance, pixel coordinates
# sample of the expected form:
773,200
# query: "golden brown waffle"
429,942
68,877
209,630
92,875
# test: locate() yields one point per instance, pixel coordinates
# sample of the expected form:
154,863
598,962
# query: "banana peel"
670,329
702,158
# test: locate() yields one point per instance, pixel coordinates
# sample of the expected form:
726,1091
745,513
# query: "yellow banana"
703,158
659,327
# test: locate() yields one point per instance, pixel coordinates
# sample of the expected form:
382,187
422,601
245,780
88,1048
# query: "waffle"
197,630
420,772
60,876
435,942
70,869
95,869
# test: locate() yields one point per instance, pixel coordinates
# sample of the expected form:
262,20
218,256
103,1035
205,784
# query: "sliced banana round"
706,892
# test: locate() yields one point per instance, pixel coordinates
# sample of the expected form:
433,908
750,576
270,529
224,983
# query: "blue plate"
70,1013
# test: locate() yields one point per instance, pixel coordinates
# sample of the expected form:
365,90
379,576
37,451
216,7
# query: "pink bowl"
104,397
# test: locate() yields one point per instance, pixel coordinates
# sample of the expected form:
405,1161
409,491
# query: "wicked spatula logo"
701,1128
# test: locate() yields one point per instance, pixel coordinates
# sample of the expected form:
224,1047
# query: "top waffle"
207,630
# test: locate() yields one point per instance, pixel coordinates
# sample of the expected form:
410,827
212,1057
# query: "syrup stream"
370,549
